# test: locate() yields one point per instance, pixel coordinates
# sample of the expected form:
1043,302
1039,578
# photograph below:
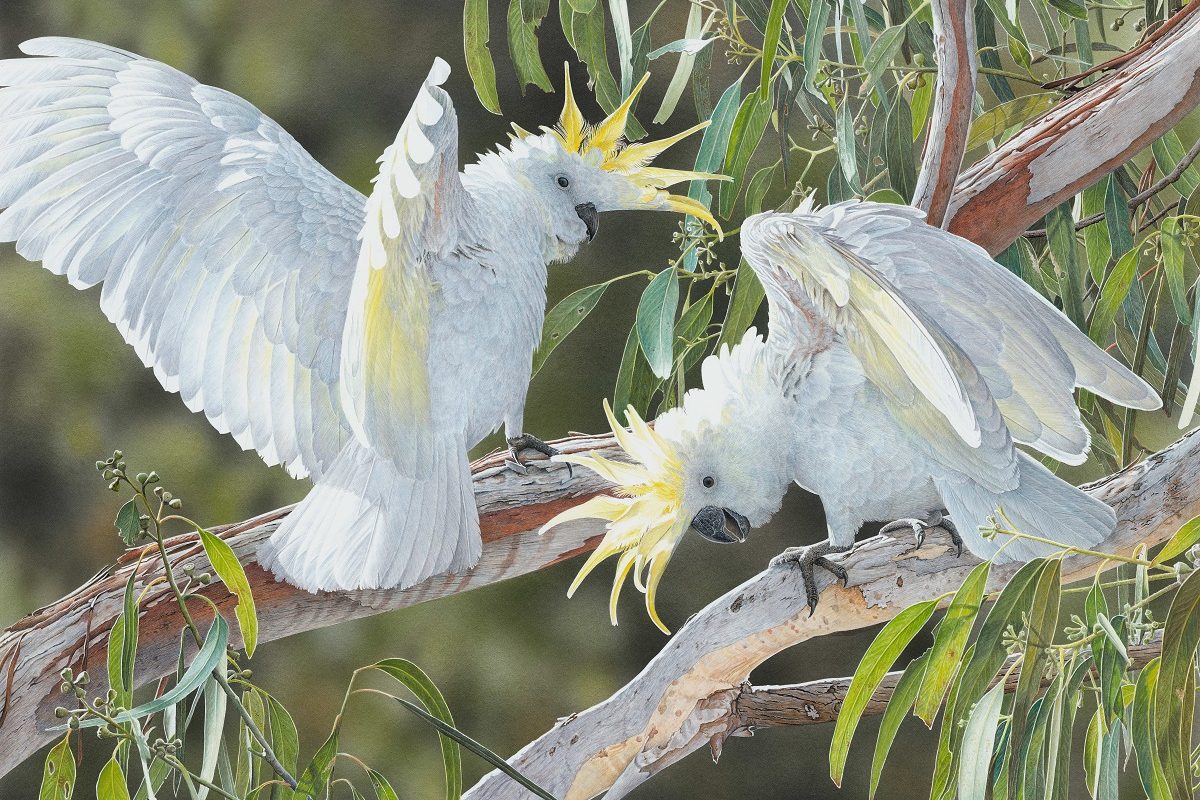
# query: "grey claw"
805,558
528,441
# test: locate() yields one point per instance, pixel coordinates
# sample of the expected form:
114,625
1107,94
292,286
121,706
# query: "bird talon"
806,558
526,441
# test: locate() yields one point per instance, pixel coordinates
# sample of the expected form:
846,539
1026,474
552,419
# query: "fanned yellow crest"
644,520
608,142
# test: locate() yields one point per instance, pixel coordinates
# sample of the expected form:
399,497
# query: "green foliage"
213,688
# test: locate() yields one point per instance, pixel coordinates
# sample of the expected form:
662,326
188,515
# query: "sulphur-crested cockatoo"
903,366
364,342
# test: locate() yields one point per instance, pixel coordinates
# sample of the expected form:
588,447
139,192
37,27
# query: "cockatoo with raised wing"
364,342
903,367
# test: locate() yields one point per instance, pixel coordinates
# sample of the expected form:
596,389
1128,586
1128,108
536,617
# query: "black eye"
708,482
563,182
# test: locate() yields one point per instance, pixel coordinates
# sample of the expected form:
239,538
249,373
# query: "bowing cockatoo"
364,342
902,368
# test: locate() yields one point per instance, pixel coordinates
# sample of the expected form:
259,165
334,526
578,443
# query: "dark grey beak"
721,525
591,218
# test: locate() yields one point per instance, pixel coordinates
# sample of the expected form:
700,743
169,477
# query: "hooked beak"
591,218
721,525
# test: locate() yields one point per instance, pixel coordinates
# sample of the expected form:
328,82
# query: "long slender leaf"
847,147
416,681
814,37
315,779
383,789
747,131
902,700
1112,297
898,149
619,11
210,655
683,69
950,641
225,563
1060,236
1042,621
285,741
1144,736
476,32
1095,237
564,318
1116,218
1174,251
1180,638
770,45
111,784
1183,539
58,773
875,663
744,303
523,49
128,523
635,384
588,35
979,739
656,321
215,703
1168,152
881,55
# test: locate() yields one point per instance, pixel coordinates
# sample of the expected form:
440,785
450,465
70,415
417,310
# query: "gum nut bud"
84,679
121,465
64,687
79,692
100,465
107,474
73,723
142,477
117,454
158,492
61,712
115,486
176,504
1116,26
188,569
153,477
66,674
204,578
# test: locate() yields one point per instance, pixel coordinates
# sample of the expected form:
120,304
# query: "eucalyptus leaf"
883,652
1060,236
225,563
128,524
215,703
978,741
1116,218
898,148
921,99
814,37
748,128
416,681
689,46
619,11
523,49
111,784
744,303
564,318
881,55
770,46
58,772
950,642
1176,675
210,655
901,701
1168,153
683,69
992,124
1183,539
476,32
1143,734
588,35
847,146
1095,237
1112,296
1174,251
656,321
635,384
315,779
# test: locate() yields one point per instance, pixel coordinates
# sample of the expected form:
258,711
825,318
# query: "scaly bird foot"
527,441
813,556
919,527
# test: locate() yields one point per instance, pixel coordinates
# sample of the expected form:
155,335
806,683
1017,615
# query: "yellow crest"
644,519
607,144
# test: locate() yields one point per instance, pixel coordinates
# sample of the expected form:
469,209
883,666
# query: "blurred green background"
339,75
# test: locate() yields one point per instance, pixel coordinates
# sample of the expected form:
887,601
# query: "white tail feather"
1042,505
366,526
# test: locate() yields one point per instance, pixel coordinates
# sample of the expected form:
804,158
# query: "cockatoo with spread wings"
903,367
364,342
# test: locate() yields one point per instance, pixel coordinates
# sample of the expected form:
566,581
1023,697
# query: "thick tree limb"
953,97
74,631
1081,139
685,696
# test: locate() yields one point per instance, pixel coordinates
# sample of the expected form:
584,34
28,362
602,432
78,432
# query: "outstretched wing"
1031,356
815,281
411,223
226,252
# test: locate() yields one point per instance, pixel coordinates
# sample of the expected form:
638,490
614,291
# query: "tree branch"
74,631
1082,138
685,696
953,96
815,702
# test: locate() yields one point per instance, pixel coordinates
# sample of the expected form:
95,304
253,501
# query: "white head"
577,172
718,465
